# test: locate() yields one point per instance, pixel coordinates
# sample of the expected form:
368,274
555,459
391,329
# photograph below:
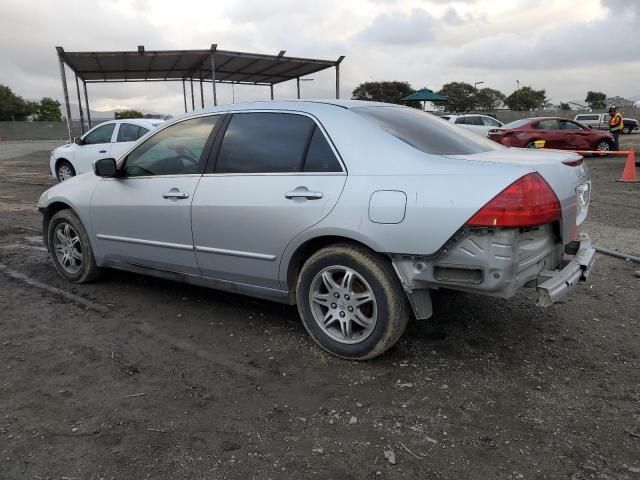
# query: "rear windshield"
517,123
426,132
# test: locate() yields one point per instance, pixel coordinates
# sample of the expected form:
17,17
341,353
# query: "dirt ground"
133,377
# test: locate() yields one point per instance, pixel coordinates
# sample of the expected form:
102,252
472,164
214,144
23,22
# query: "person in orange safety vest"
615,126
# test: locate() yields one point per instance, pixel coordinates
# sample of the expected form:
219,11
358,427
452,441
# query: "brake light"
527,202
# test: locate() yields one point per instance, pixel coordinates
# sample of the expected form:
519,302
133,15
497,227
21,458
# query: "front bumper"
559,282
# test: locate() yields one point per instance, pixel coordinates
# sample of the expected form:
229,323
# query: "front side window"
569,125
264,143
175,150
128,132
462,120
426,132
490,122
102,134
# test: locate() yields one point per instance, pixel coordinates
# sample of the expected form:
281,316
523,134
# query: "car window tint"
128,132
102,134
175,150
320,157
586,117
551,124
426,132
490,122
568,125
142,131
462,121
264,143
517,123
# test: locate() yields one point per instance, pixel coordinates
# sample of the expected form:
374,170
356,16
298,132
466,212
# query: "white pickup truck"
601,121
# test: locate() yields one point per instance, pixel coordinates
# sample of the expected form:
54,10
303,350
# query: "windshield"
517,123
426,132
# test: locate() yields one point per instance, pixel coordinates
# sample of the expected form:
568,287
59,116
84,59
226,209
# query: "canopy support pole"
86,102
201,91
271,89
338,76
213,73
184,96
80,106
298,86
63,76
193,100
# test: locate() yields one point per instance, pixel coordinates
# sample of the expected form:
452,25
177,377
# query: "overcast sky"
567,47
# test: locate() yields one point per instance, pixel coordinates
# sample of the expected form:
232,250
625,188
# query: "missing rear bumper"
559,282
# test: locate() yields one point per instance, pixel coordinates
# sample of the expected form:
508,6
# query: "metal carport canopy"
212,65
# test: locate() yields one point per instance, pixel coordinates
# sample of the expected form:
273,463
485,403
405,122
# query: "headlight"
583,193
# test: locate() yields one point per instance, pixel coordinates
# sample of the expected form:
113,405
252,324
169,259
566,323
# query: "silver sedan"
354,211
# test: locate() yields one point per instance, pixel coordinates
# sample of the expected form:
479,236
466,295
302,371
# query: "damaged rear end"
525,236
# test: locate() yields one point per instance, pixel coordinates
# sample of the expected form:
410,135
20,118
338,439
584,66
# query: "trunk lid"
564,178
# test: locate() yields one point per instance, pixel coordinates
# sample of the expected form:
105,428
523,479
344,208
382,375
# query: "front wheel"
351,302
603,146
65,170
70,249
626,130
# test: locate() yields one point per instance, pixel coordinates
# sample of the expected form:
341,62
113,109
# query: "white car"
109,139
480,124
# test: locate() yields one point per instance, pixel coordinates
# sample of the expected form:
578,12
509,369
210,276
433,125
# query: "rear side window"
490,122
128,132
546,125
517,123
264,143
320,157
462,120
582,118
426,132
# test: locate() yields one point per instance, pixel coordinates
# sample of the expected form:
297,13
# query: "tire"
531,145
379,322
603,146
64,170
70,248
626,130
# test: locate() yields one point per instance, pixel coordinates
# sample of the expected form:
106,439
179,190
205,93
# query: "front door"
275,176
96,144
144,216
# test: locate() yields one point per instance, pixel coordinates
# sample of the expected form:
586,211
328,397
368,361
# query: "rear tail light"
527,202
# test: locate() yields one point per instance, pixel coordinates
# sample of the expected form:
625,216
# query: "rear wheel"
626,130
65,170
351,302
531,145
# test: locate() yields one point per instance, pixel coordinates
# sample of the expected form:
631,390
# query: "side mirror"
590,127
105,167
77,140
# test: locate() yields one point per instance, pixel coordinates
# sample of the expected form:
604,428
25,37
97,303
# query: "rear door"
549,131
275,174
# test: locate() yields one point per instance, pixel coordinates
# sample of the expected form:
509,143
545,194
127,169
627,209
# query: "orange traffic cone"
629,172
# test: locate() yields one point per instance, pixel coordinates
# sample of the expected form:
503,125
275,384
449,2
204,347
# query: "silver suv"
354,211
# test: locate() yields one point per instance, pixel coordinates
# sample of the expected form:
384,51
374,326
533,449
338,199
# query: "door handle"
102,151
176,195
303,194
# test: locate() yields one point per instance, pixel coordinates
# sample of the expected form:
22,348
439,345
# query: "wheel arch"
47,214
310,246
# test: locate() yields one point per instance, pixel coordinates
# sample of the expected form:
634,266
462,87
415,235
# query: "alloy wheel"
343,304
64,172
68,248
603,147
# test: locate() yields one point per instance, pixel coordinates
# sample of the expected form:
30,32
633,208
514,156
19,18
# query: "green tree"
527,99
488,99
596,99
565,106
462,96
12,106
47,110
389,92
128,114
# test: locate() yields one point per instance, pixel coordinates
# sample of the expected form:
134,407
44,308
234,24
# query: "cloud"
412,28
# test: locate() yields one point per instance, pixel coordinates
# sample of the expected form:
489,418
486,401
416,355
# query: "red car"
557,133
